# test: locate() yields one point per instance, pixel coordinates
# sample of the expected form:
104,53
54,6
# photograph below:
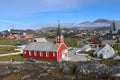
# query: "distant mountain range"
97,23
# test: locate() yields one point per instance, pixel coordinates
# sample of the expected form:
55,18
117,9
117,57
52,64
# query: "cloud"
11,22
65,25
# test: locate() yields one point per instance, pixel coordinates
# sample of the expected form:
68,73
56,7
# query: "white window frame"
30,53
41,54
54,54
47,54
35,53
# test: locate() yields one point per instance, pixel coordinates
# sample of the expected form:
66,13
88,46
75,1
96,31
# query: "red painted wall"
61,48
58,54
43,57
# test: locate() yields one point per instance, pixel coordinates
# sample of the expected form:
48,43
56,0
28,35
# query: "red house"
47,50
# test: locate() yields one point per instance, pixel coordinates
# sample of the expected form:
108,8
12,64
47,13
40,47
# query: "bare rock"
26,76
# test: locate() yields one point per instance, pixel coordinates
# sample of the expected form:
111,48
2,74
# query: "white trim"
47,54
54,54
30,53
41,54
35,53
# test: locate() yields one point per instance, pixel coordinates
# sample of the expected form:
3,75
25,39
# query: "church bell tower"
59,36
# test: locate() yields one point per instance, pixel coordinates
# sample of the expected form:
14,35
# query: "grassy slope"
4,50
70,42
15,57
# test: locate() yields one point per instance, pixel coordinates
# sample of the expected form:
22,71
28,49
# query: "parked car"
31,60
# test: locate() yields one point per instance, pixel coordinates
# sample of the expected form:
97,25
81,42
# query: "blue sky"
32,14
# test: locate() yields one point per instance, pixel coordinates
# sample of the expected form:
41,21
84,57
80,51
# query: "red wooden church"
48,50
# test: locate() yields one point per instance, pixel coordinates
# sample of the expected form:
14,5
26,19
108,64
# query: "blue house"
105,52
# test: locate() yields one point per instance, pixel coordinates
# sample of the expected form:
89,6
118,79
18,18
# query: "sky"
34,14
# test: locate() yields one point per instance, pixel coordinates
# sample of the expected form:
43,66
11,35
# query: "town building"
27,36
79,35
115,27
85,48
47,50
110,42
105,52
96,39
39,40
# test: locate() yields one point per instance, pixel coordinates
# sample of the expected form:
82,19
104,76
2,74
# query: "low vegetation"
5,41
13,76
90,53
15,57
56,71
108,62
4,50
117,47
70,42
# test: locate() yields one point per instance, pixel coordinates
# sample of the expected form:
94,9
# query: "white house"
85,48
105,52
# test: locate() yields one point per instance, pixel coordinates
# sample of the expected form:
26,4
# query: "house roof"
86,46
106,52
42,46
111,42
40,40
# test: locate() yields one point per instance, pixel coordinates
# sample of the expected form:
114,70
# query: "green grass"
5,41
108,62
70,42
15,57
4,50
117,47
90,53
